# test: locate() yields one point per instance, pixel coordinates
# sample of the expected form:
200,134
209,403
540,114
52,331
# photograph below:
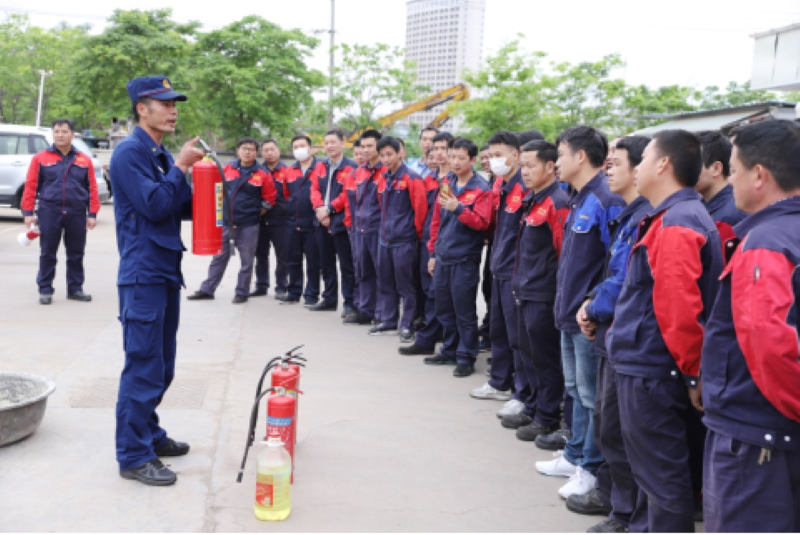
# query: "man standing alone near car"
63,180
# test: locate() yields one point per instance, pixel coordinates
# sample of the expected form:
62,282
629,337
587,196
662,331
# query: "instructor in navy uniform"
151,195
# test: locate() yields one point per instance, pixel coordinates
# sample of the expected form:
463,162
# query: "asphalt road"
385,443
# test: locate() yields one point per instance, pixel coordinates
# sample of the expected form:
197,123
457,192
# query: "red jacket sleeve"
31,185
419,202
726,234
338,203
435,222
479,216
316,193
677,301
761,298
268,191
558,217
94,198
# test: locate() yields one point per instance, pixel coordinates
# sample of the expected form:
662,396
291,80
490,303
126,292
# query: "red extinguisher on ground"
209,201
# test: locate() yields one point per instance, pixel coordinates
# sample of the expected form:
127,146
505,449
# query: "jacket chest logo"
514,202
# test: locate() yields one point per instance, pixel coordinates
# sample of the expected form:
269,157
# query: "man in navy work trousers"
64,181
151,194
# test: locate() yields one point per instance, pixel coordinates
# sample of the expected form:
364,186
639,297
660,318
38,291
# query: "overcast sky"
689,42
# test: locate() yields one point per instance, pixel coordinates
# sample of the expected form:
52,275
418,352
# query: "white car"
18,144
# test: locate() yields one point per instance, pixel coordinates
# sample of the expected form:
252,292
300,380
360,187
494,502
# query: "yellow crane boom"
456,93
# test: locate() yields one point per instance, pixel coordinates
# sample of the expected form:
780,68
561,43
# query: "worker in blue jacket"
750,370
659,324
150,196
617,494
582,152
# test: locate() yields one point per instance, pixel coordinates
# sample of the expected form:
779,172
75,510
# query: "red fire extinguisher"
206,209
208,205
281,412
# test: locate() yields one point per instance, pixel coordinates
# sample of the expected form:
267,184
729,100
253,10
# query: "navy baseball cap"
157,87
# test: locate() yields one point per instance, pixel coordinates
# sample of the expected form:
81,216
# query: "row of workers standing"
607,282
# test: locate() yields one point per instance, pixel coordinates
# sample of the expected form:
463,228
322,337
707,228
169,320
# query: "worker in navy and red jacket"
507,194
533,286
365,213
616,489
328,199
273,230
657,335
251,194
462,214
302,242
438,162
750,370
713,184
582,153
63,180
341,204
403,207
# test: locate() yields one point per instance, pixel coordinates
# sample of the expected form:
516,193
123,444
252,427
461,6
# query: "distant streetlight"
332,31
41,94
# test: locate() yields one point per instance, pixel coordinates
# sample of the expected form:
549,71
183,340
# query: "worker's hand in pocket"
91,223
431,266
696,396
189,155
29,220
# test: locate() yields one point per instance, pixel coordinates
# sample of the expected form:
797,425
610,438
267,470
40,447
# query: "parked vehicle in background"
18,144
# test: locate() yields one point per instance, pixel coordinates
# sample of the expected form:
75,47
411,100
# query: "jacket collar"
682,195
590,186
630,209
145,138
401,170
720,199
516,179
535,198
278,167
472,183
789,205
54,149
237,163
313,164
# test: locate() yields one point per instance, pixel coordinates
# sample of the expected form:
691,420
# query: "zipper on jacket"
64,185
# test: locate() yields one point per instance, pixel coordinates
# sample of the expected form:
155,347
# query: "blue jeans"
580,379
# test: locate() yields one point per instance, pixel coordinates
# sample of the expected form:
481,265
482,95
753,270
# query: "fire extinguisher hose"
251,437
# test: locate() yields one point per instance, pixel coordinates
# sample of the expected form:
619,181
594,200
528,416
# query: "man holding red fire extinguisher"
151,195
251,194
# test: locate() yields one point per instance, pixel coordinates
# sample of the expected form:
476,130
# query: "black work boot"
554,441
533,430
415,350
173,449
152,473
79,296
588,504
45,299
607,526
440,360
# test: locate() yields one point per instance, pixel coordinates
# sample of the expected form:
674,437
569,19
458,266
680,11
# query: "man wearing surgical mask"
300,222
508,192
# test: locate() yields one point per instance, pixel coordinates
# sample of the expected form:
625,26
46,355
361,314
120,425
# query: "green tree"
734,94
135,43
251,77
640,101
370,78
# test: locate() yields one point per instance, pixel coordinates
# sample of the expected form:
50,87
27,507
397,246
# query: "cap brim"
169,95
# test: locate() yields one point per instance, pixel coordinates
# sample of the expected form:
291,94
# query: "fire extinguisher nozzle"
239,477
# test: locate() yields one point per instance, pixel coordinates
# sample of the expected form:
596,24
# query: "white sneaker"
512,407
487,392
580,483
560,467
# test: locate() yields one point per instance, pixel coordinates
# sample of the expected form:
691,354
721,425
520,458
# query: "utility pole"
330,74
41,95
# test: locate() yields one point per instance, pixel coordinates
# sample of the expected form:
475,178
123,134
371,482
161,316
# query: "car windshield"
82,146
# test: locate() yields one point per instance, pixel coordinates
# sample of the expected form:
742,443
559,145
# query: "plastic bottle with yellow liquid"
273,480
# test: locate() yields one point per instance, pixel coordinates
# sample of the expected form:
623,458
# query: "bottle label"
265,490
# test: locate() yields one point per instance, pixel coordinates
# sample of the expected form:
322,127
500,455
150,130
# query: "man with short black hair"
328,197
273,230
420,165
713,184
251,194
582,152
508,192
616,494
302,242
657,335
365,213
750,371
403,208
63,180
462,213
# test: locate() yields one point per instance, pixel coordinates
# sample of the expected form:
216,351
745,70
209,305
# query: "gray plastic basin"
23,399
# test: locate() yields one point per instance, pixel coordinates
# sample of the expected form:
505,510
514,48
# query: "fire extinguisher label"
265,490
218,188
279,422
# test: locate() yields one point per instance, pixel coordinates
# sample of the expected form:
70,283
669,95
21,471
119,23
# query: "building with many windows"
443,37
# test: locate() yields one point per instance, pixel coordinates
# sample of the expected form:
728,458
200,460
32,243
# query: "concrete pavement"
385,443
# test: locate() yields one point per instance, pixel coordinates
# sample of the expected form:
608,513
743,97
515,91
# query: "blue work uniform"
150,196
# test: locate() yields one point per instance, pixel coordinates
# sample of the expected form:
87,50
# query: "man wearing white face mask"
508,192
299,178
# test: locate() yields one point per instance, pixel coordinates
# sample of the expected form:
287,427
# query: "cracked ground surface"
385,443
